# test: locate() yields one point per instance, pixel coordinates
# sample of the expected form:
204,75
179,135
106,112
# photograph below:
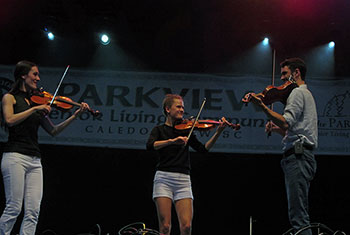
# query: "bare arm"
210,143
54,130
11,118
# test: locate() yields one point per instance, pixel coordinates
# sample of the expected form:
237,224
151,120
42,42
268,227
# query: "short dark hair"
295,63
168,101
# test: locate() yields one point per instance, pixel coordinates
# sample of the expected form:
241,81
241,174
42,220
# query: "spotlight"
331,44
105,40
50,36
265,42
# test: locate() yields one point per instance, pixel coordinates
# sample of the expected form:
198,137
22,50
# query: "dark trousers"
299,170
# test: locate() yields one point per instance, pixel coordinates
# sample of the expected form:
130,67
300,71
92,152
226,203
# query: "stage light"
105,40
321,61
50,36
265,42
331,44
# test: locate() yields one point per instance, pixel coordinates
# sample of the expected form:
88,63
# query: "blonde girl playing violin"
172,183
21,160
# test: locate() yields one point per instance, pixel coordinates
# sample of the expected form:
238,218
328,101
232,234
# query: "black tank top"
23,137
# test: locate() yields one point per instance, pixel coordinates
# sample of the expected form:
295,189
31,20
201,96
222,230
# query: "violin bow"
272,79
273,70
197,117
59,85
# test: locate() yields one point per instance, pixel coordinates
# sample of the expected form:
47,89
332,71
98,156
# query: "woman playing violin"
21,160
172,182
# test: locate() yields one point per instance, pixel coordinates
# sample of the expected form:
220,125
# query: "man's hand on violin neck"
254,98
251,97
247,97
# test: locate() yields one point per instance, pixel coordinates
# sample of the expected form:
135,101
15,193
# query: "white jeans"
23,181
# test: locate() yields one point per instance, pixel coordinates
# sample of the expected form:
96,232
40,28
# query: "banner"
130,103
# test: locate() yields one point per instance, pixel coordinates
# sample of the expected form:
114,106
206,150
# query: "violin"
43,97
204,125
272,94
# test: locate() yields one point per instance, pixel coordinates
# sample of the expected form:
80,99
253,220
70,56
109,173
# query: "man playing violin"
298,126
172,183
21,160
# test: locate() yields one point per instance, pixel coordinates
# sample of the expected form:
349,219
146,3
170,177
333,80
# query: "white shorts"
172,185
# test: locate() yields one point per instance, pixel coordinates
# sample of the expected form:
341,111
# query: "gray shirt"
301,115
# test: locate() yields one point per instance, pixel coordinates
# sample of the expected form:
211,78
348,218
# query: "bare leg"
164,214
184,210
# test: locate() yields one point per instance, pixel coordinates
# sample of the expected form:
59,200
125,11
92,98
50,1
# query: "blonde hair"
168,101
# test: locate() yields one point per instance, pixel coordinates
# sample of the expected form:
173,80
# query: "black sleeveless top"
23,137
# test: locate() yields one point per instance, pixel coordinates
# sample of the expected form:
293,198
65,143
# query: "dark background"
113,187
200,36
